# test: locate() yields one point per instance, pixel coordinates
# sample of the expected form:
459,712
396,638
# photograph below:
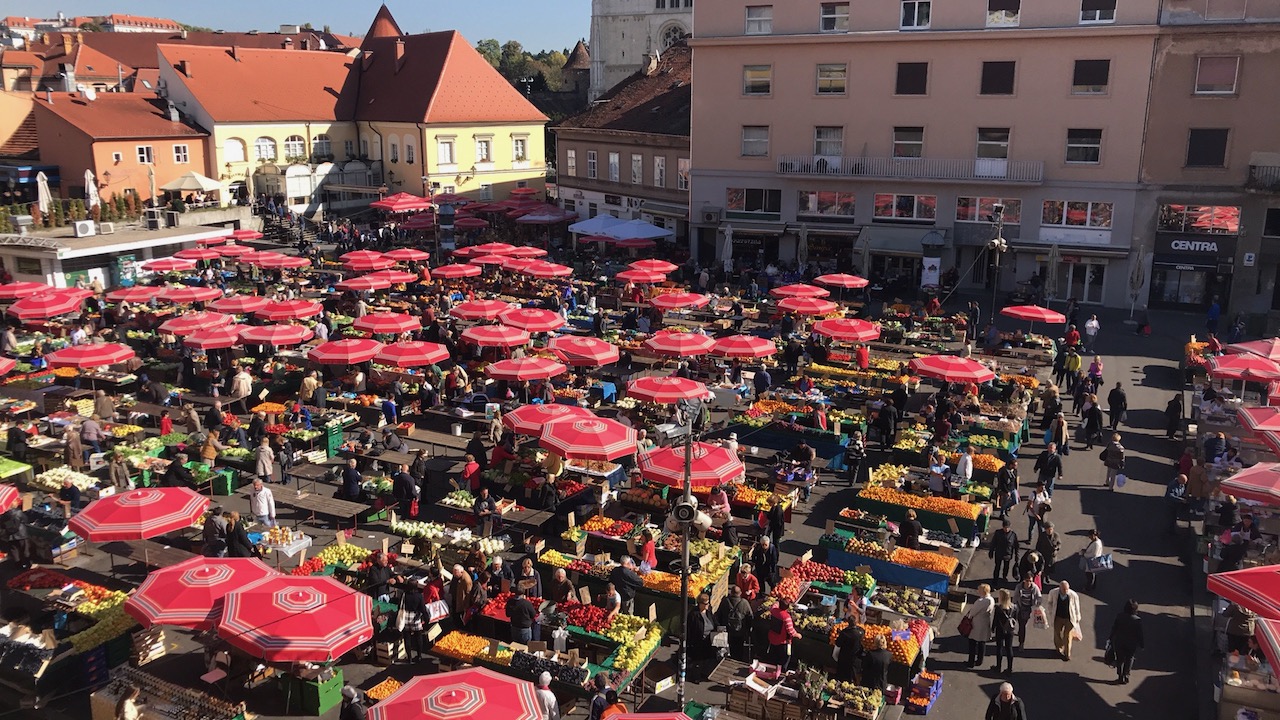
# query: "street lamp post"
997,247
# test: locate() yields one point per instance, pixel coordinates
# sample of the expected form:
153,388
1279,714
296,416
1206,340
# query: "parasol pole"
684,568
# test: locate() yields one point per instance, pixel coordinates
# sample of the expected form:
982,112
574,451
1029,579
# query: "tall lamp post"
996,247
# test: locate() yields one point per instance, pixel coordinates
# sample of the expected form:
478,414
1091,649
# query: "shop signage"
1196,246
1074,236
930,271
1250,259
613,200
1205,246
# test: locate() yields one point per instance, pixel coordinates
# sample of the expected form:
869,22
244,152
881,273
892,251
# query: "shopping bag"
1109,656
1039,620
966,625
413,508
1102,563
1076,634
1121,480
720,639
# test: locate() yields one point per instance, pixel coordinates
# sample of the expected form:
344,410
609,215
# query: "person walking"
979,616
1173,417
781,632
265,461
1027,600
1117,405
1092,551
1004,550
1091,328
1048,468
1006,706
1065,611
1048,544
1112,457
1004,625
262,504
1039,502
1175,497
1126,640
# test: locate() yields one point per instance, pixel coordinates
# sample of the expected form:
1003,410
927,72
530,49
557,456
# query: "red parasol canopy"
90,356
408,255
523,192
952,369
139,514
9,495
190,593
808,306
240,304
7,364
532,319
470,223
1268,348
137,293
21,289
675,301
524,251
402,202
51,303
1033,313
665,390
412,354
1267,633
842,280
182,295
361,255
657,266
479,309
284,262
214,338
387,323
369,264
641,276
1255,588
493,248
1260,419
517,264
364,282
169,265
345,352
235,251
395,276
847,329
422,221
190,322
281,310
245,234
296,619
456,271
543,269
588,439
257,256
679,344
489,259
450,199
198,254
583,351
525,369
1260,483
275,335
461,695
530,419
206,242
712,465
495,336
800,290
1244,367
744,346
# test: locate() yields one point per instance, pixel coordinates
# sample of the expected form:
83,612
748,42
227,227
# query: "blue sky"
554,25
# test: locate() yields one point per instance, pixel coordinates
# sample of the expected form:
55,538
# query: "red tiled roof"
116,116
23,22
24,144
146,81
141,21
383,26
20,59
248,86
89,64
440,78
659,103
580,58
138,50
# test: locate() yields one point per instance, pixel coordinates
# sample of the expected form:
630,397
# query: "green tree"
196,28
514,63
491,50
90,27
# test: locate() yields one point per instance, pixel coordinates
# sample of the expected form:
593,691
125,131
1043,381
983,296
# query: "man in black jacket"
1048,546
627,581
875,666
404,487
734,615
1004,550
522,614
1049,467
764,558
177,474
1117,405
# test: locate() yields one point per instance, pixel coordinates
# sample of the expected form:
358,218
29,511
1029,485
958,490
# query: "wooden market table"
318,504
309,473
148,552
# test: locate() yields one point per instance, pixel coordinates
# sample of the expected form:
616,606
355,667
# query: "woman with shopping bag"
976,625
1089,558
1065,611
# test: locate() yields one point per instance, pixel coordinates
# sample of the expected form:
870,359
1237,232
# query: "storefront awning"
749,228
827,229
899,241
1077,250
680,212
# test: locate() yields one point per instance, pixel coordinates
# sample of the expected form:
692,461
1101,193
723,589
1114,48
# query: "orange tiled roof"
23,22
580,58
138,50
244,84
141,21
116,116
24,144
658,103
383,26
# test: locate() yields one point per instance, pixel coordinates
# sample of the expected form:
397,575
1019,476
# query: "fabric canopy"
636,229
595,225
191,182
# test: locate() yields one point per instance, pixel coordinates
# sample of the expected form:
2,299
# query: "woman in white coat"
1064,608
979,615
1090,552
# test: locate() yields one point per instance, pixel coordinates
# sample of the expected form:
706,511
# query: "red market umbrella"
517,264
408,255
1255,588
711,465
456,271
412,354
363,283
543,269
206,242
190,322
423,221
395,276
190,593
361,255
1244,367
952,369
1260,483
1268,348
240,304
808,306
369,264
235,251
137,293
21,289
139,514
450,199
402,202
1267,633
657,266
799,290
345,352
524,369
462,253
583,351
214,338
181,295
641,276
479,309
665,390
678,300
285,619
90,356
588,439
525,251
9,495
495,336
461,695
198,254
523,192
169,265
489,260
532,319
636,244
470,223
47,304
257,256
847,329
7,365
744,346
285,262
281,310
387,323
842,280
530,419
679,344
1033,313
275,335
245,234
1260,419
493,248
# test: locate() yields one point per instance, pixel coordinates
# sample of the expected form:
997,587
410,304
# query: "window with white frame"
233,150
908,141
755,140
915,14
592,170
145,154
1097,11
827,202
445,152
659,171
1217,75
1076,213
264,148
364,147
834,17
571,162
571,205
181,154
983,209
828,141
759,19
615,170
295,146
682,173
520,149
349,148
1084,146
408,153
321,145
890,206
832,78
757,79
394,151
1003,13
993,143
484,150
637,169
486,192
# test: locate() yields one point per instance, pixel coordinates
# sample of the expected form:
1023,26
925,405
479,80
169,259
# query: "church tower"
623,32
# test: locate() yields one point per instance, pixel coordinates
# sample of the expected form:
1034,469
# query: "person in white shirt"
322,331
262,503
79,336
547,702
964,466
1091,551
1091,328
732,443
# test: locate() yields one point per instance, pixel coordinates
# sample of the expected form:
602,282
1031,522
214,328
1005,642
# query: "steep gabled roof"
115,116
580,58
24,143
658,103
383,26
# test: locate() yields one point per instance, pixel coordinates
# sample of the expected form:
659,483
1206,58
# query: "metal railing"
983,169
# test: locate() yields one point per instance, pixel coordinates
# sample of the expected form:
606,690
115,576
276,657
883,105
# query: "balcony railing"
981,169
1264,177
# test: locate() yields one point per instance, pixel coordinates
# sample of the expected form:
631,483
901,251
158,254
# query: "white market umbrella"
1051,272
90,190
636,230
191,182
727,251
43,197
1137,278
802,246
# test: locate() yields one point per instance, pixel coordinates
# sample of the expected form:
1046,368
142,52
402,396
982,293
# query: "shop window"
757,79
983,209
753,200
27,266
908,142
827,203
682,173
832,78
1003,13
1176,286
1084,146
1097,11
1201,219
659,171
1091,77
889,206
1207,147
1271,228
1217,75
997,77
1076,213
913,78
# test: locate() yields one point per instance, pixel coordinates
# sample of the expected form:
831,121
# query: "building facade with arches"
623,32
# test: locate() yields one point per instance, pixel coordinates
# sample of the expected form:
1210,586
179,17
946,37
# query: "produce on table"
787,589
645,498
461,646
269,408
906,601
342,555
903,649
1027,381
610,527
173,438
417,529
460,499
383,690
555,558
945,537
304,435
891,473
573,534
862,581
51,480
809,570
276,429
236,453
863,701
865,549
497,605
532,665
939,505
588,617
930,561
310,567
124,431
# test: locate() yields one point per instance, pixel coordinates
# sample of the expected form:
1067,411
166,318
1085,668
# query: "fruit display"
112,622
555,559
665,582
497,605
902,644
121,430
981,461
236,453
988,442
459,499
941,536
862,581
588,617
809,570
928,561
461,646
778,407
888,473
269,408
814,623
342,555
310,567
787,589
906,601
609,526
939,505
866,549
862,701
383,690
977,490
417,529
573,534
531,665
276,429
645,498
279,536
51,480
174,438
1027,381
864,517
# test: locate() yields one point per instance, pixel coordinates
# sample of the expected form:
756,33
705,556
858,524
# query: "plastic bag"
1121,480
1039,620
1076,634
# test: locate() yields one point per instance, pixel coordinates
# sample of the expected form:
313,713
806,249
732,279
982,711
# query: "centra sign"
1202,246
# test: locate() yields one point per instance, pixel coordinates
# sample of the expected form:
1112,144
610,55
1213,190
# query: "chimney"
287,44
235,53
48,96
184,67
306,44
399,52
66,44
183,34
172,111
